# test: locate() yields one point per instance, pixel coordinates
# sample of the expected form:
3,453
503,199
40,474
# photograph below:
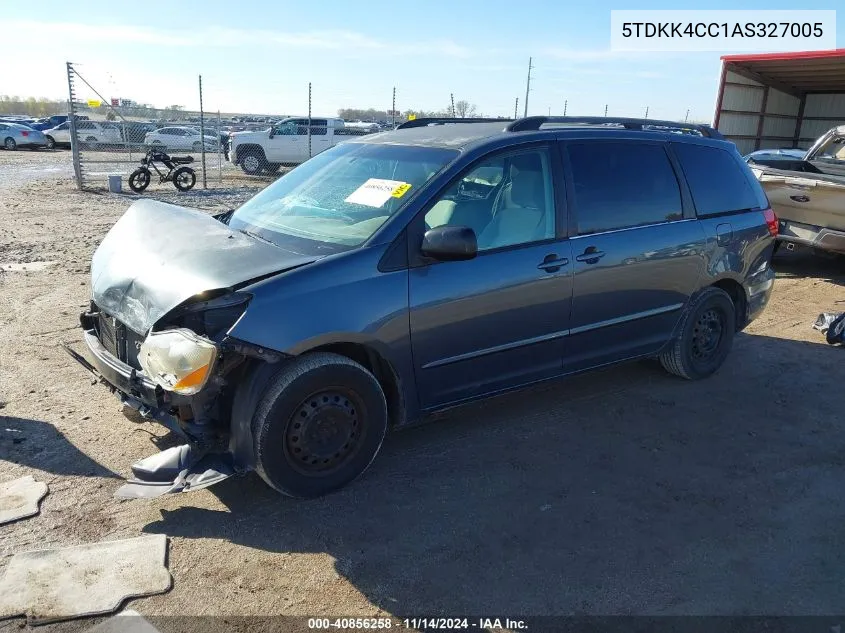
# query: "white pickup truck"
286,143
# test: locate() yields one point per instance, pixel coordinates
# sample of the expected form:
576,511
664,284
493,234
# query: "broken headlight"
178,360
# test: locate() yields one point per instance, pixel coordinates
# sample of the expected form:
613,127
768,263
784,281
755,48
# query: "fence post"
219,149
202,138
309,120
74,142
393,110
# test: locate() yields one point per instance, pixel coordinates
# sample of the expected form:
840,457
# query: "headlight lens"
178,360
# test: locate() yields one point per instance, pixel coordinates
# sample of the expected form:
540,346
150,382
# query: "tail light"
771,221
24,133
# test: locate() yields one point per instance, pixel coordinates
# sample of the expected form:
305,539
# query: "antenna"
528,85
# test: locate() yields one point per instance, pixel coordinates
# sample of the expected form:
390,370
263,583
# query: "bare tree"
465,109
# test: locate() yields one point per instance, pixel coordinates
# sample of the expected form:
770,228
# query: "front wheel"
51,143
139,179
184,178
319,425
10,144
252,163
706,336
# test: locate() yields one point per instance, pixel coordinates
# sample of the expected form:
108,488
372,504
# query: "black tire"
51,142
706,336
10,144
184,178
253,162
139,179
319,425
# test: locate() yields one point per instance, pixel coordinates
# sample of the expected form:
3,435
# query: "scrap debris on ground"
20,498
60,584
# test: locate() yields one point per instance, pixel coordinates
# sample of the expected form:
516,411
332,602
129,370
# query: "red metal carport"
780,99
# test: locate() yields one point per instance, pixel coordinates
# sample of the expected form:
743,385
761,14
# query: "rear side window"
717,181
622,185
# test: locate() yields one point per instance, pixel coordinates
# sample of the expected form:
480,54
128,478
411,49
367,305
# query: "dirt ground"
625,491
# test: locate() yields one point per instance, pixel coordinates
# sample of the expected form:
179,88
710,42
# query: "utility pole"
516,108
528,85
452,97
202,138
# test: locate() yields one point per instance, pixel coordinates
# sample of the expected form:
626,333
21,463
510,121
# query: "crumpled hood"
158,255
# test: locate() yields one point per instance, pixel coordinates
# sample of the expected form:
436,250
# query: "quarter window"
622,185
718,182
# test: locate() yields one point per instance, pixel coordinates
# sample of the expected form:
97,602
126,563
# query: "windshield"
339,198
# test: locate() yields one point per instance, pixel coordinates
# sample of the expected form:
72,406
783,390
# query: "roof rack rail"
425,121
534,123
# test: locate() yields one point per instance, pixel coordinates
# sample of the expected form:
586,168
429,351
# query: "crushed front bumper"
182,468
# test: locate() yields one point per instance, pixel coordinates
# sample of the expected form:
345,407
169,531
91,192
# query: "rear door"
637,249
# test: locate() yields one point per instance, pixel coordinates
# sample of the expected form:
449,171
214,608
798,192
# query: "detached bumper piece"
178,469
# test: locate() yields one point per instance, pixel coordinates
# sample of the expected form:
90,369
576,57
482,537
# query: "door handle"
800,198
552,263
591,256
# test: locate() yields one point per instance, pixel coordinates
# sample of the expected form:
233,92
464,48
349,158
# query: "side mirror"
450,243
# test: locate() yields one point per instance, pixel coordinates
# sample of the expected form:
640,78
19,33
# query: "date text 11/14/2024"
418,623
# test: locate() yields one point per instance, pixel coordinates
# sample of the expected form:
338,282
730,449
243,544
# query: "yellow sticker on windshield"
401,190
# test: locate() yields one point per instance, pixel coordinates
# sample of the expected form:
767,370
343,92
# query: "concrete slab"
60,584
127,621
20,498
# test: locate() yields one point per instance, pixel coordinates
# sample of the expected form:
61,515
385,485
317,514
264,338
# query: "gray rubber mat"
59,584
20,498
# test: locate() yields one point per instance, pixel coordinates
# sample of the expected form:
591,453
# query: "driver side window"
286,129
506,200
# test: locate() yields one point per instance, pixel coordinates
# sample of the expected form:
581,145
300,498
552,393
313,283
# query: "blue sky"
259,55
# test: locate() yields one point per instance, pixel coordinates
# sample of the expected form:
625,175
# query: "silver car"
14,135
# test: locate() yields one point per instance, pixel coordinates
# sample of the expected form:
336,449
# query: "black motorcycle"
183,178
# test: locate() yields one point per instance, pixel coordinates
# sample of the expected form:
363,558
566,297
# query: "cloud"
222,37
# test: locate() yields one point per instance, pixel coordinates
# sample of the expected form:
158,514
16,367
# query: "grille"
109,334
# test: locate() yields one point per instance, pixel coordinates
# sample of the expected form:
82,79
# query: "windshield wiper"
256,236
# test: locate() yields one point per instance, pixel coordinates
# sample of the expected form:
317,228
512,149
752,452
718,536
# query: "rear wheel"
10,144
706,336
139,179
319,425
184,178
253,162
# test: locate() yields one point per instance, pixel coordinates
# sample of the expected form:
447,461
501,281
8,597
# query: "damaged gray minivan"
401,273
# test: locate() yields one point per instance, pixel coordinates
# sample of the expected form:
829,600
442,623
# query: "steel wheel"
323,432
707,334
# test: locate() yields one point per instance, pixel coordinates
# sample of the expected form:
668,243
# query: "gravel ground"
619,492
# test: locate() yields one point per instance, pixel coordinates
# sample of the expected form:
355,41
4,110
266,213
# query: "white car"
93,134
180,138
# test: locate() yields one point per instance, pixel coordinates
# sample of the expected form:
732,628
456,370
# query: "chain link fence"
110,137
